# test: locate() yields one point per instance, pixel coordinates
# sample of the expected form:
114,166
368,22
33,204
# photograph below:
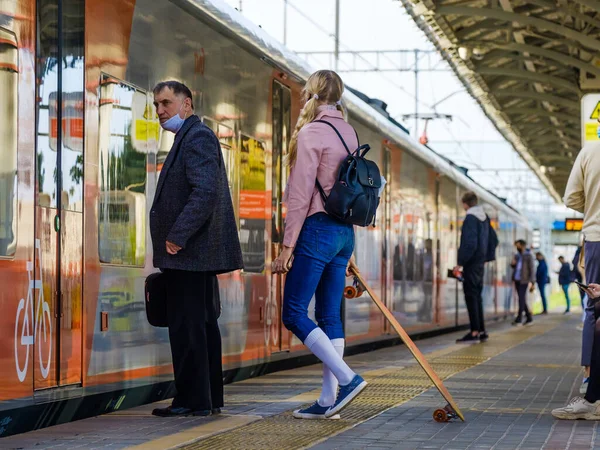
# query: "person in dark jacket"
542,279
194,237
471,257
564,279
524,275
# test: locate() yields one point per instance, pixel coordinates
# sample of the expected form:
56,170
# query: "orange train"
80,157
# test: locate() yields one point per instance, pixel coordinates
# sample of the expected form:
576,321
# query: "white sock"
321,346
330,382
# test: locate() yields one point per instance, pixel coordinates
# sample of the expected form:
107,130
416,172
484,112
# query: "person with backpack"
330,189
565,279
542,279
478,242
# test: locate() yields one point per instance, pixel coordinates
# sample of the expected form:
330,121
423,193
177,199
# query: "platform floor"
505,387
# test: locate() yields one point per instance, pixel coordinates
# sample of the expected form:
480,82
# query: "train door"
281,114
52,331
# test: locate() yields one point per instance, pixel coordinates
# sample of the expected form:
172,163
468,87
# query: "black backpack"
490,254
354,197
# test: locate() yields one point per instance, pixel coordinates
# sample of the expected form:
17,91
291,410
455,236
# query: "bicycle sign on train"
42,323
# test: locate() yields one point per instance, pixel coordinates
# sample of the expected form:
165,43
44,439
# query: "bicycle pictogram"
42,323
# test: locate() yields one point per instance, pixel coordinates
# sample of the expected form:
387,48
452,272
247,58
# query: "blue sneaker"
346,394
314,412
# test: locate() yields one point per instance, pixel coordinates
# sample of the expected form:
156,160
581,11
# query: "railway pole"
337,34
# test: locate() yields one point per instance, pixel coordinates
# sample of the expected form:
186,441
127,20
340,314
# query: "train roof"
254,39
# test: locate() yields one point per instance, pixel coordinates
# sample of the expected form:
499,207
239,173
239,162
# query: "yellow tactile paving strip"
387,388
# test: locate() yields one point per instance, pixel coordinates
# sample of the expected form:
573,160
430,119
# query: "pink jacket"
320,153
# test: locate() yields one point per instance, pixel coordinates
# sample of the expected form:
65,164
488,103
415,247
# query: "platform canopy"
527,63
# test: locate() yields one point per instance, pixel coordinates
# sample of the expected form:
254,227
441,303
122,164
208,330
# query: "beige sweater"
583,190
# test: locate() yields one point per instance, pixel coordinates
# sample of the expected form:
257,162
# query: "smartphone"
581,285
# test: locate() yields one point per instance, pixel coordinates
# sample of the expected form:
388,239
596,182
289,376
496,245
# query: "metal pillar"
416,92
285,7
337,34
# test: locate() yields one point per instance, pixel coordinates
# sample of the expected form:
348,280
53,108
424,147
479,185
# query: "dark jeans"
592,275
542,288
593,390
522,294
195,339
565,288
473,286
319,268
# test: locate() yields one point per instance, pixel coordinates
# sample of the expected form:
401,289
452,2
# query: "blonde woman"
318,249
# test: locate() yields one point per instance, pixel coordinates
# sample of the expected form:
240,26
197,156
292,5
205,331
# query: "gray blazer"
527,268
192,206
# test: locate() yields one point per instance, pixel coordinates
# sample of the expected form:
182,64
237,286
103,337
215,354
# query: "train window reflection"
125,130
226,136
9,73
253,203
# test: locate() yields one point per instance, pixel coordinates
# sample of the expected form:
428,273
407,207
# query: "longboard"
442,414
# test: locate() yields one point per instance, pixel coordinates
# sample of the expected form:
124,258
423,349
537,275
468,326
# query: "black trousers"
522,294
593,390
473,287
195,339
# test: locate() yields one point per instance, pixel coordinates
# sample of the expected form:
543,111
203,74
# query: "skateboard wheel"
359,292
440,415
350,292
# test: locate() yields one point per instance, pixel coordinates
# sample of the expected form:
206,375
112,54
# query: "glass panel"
47,121
253,203
72,104
124,132
9,78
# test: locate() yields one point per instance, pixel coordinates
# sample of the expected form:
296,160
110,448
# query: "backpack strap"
338,133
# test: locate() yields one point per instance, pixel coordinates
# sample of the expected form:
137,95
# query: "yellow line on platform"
221,425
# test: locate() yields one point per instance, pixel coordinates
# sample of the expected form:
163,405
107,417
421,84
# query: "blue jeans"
565,288
319,268
542,288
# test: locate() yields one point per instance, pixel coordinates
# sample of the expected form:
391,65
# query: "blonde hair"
322,87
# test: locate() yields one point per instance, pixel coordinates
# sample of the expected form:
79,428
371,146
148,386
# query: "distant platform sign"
573,224
590,118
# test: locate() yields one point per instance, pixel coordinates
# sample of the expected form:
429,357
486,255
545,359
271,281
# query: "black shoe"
528,321
202,412
172,411
216,411
483,336
545,312
517,321
468,338
567,311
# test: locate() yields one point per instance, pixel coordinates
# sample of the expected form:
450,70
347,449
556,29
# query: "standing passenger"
542,278
194,236
317,248
472,255
524,277
583,195
564,279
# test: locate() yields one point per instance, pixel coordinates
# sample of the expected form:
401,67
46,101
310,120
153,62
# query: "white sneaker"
578,408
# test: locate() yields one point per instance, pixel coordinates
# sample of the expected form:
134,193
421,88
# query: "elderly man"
194,236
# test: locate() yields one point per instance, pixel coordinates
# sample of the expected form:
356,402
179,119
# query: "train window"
226,138
253,203
9,77
125,131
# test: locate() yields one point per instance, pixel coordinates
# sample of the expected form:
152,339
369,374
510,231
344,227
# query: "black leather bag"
155,289
354,197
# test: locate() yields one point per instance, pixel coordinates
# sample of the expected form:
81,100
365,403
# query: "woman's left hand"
282,263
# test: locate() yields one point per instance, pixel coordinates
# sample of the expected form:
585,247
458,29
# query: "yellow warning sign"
591,132
596,112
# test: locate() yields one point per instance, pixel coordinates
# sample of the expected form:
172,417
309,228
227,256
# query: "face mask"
175,123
